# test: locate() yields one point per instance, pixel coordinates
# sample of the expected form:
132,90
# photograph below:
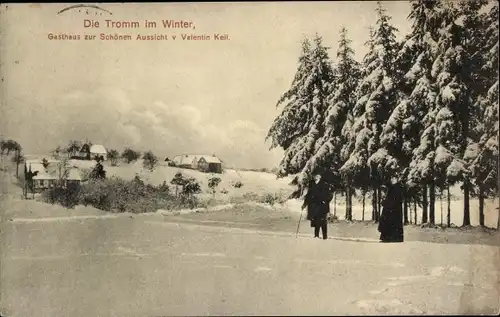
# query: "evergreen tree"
301,123
318,85
456,71
437,159
354,153
416,98
290,124
383,99
98,171
377,97
327,157
483,153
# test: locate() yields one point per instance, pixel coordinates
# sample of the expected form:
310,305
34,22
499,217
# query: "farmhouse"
47,177
73,177
210,164
186,161
97,150
85,152
91,152
202,162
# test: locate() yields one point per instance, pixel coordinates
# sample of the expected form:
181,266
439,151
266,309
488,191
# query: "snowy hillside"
253,182
260,183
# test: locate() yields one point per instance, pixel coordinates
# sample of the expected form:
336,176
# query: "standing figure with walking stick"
317,201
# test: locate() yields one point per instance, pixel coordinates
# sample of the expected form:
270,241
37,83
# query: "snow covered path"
148,267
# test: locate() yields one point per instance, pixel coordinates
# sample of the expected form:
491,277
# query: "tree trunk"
335,204
410,217
346,216
441,205
466,204
481,206
415,208
17,169
374,205
350,203
348,200
363,214
432,203
448,212
379,203
424,205
405,206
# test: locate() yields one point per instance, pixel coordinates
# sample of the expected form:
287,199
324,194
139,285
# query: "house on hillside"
73,177
201,162
85,152
93,151
186,161
210,164
47,177
97,150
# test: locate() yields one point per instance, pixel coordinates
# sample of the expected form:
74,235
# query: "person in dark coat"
391,220
317,200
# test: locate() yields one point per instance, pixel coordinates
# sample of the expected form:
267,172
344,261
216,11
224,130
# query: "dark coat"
391,220
318,200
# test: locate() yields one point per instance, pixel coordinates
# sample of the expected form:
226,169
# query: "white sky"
172,97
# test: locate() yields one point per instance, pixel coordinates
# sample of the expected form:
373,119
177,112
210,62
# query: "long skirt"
391,226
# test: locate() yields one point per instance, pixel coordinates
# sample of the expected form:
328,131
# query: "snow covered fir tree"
423,108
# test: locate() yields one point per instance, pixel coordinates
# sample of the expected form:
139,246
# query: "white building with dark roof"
203,162
48,176
98,150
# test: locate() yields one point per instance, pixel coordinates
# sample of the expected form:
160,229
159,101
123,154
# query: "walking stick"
298,225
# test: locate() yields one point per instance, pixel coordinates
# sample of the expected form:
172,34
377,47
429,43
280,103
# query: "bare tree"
9,146
56,153
62,166
213,182
113,156
18,158
178,180
150,160
72,147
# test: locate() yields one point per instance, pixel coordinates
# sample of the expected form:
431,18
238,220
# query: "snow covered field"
82,262
147,267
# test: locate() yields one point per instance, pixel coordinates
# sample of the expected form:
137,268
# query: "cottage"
186,161
97,150
45,178
48,176
202,162
210,164
85,152
91,152
73,177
